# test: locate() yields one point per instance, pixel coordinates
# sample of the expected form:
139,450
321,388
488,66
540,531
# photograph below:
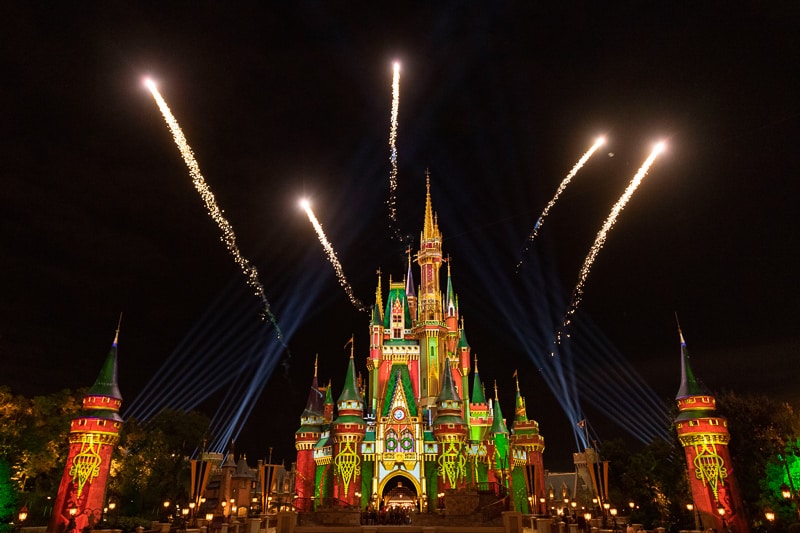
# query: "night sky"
498,100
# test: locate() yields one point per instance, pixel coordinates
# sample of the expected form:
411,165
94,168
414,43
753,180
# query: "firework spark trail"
582,161
228,236
392,202
331,253
600,239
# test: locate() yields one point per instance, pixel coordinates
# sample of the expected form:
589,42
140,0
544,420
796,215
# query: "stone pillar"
287,520
512,521
544,525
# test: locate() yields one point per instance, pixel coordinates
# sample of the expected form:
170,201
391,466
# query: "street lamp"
606,507
73,512
721,512
542,505
613,512
588,517
21,516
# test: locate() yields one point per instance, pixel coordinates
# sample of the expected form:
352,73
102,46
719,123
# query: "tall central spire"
429,229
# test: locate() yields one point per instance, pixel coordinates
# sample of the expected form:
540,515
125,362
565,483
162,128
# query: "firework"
228,236
582,161
600,239
392,202
331,253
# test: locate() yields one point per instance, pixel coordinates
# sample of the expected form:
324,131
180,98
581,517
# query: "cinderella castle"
419,429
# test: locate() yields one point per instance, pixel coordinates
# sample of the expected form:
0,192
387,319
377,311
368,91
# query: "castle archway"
400,490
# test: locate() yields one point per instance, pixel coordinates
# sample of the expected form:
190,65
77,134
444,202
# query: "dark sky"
497,99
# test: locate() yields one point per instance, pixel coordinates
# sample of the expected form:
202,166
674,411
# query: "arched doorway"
401,491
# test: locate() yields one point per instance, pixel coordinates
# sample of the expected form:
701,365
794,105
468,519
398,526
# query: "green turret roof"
448,391
106,382
462,339
451,297
477,387
690,386
350,391
498,424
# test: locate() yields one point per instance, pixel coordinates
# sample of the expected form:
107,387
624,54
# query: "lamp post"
789,494
22,516
542,506
770,516
588,517
721,512
73,512
613,512
606,507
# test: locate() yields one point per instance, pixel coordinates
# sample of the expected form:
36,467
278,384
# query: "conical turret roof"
690,386
498,424
477,387
106,382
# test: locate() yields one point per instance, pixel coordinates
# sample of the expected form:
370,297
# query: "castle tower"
311,422
92,437
450,432
528,468
498,449
348,430
705,437
430,327
416,427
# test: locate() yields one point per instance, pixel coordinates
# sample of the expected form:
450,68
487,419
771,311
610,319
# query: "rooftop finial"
516,379
119,324
680,333
495,391
316,360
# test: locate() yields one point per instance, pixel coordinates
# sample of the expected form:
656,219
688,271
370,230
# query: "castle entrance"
399,491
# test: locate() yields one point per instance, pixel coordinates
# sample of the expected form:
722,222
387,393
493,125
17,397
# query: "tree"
151,462
653,477
8,493
764,445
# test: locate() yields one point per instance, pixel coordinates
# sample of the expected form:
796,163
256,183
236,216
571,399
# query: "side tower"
92,437
450,432
705,437
430,327
527,446
348,430
307,437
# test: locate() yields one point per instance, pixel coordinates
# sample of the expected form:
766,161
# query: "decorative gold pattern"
86,463
347,463
452,463
709,467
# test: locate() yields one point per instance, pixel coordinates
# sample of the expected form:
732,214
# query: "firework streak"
392,202
228,236
329,251
600,239
582,161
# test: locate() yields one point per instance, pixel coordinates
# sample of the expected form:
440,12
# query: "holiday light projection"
228,236
582,161
392,202
331,253
600,239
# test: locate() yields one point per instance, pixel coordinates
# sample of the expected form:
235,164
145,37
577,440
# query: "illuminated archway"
399,478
